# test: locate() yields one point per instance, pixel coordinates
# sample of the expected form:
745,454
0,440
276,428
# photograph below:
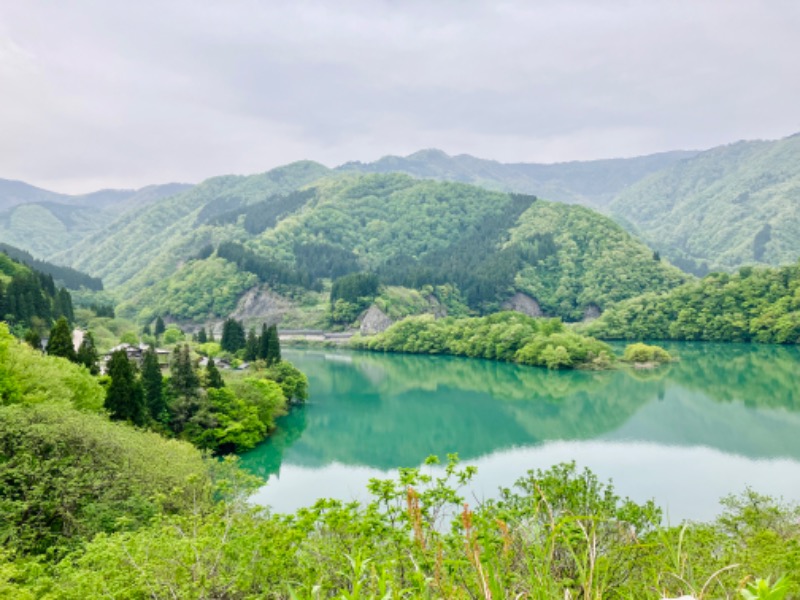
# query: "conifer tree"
146,330
153,385
87,354
263,343
124,396
273,346
233,337
251,347
160,328
213,376
62,305
60,342
184,379
202,338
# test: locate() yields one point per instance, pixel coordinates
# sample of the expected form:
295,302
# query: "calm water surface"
723,418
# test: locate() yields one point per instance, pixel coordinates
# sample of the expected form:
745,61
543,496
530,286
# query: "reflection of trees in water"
759,375
393,410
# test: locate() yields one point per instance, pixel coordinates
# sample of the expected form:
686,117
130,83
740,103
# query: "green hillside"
144,247
723,208
45,223
410,232
65,276
756,304
592,183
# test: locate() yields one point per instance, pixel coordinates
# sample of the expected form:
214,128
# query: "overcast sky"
112,93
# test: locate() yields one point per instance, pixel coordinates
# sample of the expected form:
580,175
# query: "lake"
724,417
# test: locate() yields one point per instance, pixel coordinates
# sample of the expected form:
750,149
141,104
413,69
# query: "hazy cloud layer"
122,94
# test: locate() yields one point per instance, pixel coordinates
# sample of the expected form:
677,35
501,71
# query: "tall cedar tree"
160,328
202,338
263,343
124,396
273,346
87,354
153,385
184,379
233,337
60,342
251,346
62,305
213,376
184,383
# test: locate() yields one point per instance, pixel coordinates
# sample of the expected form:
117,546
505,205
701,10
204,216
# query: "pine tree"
273,346
251,346
60,342
153,385
62,305
160,328
263,343
87,354
124,396
184,379
213,376
233,337
202,338
146,330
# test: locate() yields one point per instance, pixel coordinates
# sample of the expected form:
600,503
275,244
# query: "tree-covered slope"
45,223
591,183
65,276
728,206
756,304
409,232
145,246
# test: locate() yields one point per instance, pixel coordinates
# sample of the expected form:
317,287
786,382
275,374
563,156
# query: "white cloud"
99,93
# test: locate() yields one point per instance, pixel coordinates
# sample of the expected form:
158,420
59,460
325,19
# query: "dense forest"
723,208
66,276
505,336
755,304
29,299
409,233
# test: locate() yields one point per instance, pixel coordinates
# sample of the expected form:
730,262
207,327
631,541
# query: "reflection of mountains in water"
394,410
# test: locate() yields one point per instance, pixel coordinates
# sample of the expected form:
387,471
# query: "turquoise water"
722,418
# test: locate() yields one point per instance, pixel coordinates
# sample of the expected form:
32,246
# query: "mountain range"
427,219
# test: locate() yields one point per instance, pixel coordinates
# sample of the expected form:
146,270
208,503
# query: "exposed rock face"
523,303
374,320
591,312
438,309
262,305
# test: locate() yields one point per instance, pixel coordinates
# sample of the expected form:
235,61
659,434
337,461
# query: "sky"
113,93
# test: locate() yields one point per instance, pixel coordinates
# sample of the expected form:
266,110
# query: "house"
135,353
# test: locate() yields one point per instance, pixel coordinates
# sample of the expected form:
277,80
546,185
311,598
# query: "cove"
724,417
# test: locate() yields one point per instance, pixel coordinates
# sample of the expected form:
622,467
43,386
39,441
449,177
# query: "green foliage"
28,377
507,336
67,475
642,353
213,378
557,534
153,386
87,354
723,208
65,276
233,336
756,304
124,395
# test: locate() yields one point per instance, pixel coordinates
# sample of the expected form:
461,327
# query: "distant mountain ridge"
45,223
592,183
726,207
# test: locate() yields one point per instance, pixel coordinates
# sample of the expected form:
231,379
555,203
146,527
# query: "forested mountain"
144,247
591,183
729,206
407,231
30,299
755,304
65,276
45,223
